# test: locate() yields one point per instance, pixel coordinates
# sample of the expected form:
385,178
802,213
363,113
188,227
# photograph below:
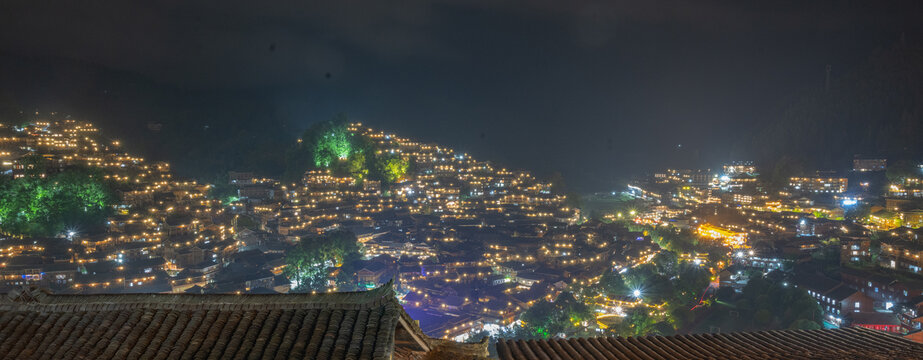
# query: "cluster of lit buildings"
470,245
164,235
819,184
788,228
729,238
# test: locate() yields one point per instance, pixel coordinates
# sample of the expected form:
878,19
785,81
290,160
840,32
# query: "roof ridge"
354,325
843,343
35,298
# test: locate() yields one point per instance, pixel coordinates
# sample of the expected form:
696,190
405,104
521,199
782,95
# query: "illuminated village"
473,248
463,180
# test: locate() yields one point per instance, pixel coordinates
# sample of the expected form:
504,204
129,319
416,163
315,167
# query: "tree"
725,294
782,171
900,170
356,166
323,145
762,317
566,315
308,263
637,322
718,255
776,304
76,198
222,189
663,328
654,287
681,241
681,316
666,262
858,211
391,168
612,283
875,247
559,186
690,282
247,222
332,145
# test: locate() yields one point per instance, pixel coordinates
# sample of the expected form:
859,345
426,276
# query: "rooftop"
369,325
851,343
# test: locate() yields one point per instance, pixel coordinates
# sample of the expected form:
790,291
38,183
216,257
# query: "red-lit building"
887,322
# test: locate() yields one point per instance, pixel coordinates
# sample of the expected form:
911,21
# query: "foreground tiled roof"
852,343
363,325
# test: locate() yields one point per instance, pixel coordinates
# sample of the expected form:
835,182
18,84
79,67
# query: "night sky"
598,91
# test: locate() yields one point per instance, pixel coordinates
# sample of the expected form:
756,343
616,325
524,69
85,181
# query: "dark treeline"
875,109
872,109
203,133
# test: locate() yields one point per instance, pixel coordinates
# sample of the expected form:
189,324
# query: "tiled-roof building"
360,325
852,343
882,321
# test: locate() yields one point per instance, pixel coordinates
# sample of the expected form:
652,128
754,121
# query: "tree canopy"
76,198
900,170
332,143
667,283
774,304
391,168
675,240
565,315
331,146
308,263
872,109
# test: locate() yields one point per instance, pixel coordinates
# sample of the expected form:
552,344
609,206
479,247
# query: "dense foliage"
391,168
566,315
674,239
774,304
309,263
672,286
873,109
620,206
330,145
222,189
559,186
34,205
900,170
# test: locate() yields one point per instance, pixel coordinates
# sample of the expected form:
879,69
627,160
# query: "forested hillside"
876,109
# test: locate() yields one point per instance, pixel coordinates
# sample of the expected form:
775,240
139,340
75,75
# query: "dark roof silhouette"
849,343
356,325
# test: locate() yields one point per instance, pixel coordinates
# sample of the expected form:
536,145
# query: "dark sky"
597,90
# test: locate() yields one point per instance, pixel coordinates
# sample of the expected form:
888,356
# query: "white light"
637,293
